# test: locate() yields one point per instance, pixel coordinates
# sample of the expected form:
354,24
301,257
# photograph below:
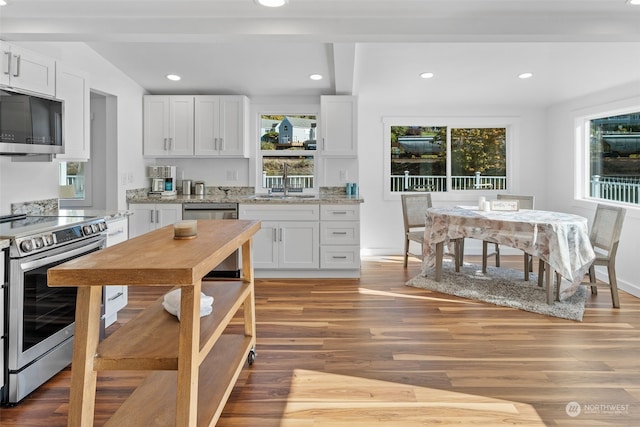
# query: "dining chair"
604,237
414,208
524,202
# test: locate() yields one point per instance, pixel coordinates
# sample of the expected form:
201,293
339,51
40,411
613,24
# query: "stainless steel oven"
41,319
230,267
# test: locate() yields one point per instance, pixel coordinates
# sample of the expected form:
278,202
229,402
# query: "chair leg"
406,251
558,281
497,255
592,279
484,256
540,272
526,267
613,283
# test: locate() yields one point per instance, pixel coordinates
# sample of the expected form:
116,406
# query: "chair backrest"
606,228
414,209
524,202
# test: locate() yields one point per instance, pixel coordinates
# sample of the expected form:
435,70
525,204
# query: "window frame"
288,111
582,129
511,125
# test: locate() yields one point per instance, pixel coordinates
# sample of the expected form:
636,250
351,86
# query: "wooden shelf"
150,340
153,403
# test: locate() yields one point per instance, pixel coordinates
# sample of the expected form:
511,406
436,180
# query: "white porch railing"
408,182
620,189
295,181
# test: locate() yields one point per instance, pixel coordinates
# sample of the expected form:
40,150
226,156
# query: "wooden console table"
197,363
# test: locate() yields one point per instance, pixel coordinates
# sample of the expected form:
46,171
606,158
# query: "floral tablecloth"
559,239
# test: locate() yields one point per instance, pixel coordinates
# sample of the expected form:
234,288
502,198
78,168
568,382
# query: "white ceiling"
374,48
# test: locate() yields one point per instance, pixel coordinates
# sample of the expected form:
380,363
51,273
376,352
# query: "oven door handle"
48,259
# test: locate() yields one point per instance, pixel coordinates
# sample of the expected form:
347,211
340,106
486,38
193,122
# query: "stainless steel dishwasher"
230,267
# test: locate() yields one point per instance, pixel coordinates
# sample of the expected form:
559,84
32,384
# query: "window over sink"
288,140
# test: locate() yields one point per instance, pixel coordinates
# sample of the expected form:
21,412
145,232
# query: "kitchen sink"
283,197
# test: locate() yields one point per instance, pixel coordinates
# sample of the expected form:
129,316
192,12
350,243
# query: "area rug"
503,287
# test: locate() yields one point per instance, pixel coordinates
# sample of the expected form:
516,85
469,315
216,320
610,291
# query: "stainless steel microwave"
30,124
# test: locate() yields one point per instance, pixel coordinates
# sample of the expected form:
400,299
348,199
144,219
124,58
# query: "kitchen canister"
186,187
348,188
199,187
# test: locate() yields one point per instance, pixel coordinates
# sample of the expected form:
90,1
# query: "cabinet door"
117,231
168,214
265,246
180,126
338,121
72,86
299,245
5,60
156,125
143,219
207,123
28,70
232,126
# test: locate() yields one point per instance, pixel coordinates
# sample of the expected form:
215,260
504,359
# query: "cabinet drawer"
117,231
280,212
340,212
340,257
340,233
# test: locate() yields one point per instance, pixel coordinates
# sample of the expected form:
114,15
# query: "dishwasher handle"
209,206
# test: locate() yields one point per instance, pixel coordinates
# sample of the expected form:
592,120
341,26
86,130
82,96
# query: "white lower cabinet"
291,241
340,236
149,216
115,298
313,240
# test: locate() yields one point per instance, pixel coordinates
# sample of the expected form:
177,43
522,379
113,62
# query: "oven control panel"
50,239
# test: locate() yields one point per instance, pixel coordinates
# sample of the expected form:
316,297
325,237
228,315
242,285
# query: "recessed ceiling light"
272,3
525,75
173,77
634,2
315,76
427,75
3,3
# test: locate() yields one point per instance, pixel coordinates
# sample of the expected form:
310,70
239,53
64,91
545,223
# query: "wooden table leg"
249,304
82,395
439,255
550,284
188,356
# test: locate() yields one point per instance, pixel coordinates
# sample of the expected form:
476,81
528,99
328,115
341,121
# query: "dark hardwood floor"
375,352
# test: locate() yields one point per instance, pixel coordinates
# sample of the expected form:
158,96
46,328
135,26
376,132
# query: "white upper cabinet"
23,69
221,126
338,121
72,86
168,126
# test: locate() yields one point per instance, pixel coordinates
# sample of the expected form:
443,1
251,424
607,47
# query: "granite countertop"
108,215
250,199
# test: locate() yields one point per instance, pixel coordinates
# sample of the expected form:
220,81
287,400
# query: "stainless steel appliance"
230,267
30,124
41,320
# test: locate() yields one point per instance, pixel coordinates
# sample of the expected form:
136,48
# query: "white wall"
561,164
20,181
381,219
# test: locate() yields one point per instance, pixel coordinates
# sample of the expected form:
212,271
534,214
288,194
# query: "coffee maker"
163,180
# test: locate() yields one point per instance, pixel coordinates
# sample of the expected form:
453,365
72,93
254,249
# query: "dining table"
560,240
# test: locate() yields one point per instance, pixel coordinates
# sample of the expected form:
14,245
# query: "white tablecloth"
559,239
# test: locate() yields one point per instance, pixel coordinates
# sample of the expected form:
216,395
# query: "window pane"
299,171
478,158
71,180
615,158
418,158
290,132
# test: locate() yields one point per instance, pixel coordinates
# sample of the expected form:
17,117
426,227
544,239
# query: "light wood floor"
375,352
